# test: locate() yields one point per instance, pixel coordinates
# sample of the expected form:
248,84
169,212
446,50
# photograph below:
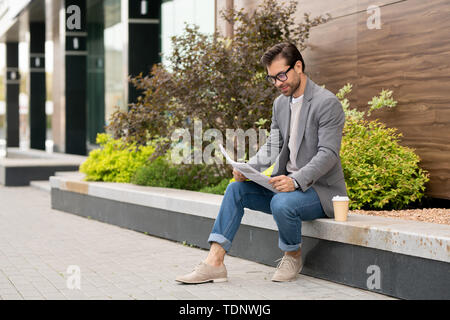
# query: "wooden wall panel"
410,54
362,5
332,60
336,8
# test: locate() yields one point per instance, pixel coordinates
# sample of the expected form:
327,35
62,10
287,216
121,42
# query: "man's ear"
298,66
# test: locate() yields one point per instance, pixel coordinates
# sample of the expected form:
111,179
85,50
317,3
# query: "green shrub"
218,188
379,172
115,160
161,173
384,100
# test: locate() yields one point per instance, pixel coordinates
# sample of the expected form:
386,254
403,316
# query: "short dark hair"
287,50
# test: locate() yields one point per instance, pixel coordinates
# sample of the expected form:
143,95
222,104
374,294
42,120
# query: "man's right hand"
238,176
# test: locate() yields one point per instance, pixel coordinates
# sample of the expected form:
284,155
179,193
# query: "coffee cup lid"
340,198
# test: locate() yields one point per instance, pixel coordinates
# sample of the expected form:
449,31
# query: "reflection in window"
114,73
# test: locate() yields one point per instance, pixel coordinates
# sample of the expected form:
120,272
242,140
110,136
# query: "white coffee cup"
340,206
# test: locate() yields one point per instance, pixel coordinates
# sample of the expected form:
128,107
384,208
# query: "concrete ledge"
17,153
413,257
22,166
43,185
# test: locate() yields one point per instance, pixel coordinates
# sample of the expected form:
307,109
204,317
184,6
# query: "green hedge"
115,160
379,172
162,173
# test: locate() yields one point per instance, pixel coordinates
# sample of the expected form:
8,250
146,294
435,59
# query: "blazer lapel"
287,129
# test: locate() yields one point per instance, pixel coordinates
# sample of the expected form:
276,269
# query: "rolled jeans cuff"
220,239
288,247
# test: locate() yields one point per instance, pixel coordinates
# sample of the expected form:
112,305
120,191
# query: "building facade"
65,63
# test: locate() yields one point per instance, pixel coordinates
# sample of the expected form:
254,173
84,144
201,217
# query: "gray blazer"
320,133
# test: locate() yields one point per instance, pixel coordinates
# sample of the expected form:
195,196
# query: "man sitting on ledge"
306,134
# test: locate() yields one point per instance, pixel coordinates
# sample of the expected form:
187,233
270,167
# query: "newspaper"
248,171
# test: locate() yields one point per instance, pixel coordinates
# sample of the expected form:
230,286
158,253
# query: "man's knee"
280,207
235,186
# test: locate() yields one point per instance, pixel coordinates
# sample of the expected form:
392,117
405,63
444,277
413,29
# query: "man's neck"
301,89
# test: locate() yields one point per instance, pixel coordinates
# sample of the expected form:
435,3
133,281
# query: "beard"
290,88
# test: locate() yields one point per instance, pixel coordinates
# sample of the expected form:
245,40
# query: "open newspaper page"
249,171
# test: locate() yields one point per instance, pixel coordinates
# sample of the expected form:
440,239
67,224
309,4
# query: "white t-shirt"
296,106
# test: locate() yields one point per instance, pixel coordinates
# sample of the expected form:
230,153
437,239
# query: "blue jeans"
288,209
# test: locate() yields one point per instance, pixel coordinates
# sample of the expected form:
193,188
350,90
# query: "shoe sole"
205,281
288,280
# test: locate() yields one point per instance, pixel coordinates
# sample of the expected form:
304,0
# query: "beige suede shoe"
204,273
288,269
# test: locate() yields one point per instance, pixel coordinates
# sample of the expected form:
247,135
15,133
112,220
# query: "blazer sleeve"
269,152
331,119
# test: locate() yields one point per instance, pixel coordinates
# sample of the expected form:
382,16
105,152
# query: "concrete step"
45,184
41,185
75,174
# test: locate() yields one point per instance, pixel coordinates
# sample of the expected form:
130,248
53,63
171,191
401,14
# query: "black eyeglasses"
281,76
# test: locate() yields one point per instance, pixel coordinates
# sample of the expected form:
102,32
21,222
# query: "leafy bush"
379,172
385,99
218,188
115,160
161,173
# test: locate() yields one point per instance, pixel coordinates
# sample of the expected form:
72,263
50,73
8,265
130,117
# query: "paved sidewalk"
38,244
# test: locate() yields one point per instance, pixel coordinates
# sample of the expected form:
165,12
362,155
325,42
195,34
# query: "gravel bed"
433,215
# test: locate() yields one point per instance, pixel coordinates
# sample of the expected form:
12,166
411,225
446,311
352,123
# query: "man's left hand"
282,183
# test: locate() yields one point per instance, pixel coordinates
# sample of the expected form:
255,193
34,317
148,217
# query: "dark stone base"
21,176
401,276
